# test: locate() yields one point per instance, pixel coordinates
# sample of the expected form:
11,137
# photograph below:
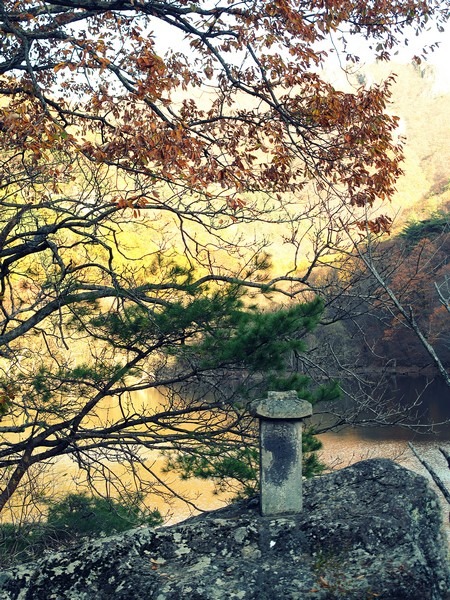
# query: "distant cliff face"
424,124
370,531
421,100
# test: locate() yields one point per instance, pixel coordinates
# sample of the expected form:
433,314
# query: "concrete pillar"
280,435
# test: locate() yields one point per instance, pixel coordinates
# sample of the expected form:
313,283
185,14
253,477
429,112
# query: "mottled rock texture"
370,531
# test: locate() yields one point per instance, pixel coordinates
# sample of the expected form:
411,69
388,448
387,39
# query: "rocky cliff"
370,531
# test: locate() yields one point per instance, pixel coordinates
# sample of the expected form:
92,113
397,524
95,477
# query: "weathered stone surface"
281,405
371,531
281,467
280,442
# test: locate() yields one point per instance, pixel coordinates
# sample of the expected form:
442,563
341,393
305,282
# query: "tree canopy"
241,107
139,184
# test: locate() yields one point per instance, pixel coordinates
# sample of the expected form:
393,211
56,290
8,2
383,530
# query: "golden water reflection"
340,449
190,496
61,476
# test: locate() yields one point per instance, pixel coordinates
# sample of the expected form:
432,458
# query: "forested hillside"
420,97
365,326
365,329
421,101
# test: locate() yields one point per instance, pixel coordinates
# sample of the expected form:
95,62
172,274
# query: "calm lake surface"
340,448
353,444
433,398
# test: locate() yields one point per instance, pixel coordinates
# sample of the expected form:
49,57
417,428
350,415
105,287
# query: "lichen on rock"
370,531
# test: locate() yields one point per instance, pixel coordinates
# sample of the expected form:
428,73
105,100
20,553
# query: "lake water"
431,413
351,444
340,448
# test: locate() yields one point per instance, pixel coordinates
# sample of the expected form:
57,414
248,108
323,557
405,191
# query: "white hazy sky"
440,58
166,37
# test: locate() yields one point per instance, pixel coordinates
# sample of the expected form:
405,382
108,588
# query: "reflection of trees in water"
410,408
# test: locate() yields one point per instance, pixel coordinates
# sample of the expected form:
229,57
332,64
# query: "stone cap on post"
281,405
280,417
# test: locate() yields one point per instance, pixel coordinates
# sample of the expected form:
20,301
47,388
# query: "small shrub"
79,515
72,520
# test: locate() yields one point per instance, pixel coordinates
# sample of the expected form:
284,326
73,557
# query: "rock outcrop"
370,531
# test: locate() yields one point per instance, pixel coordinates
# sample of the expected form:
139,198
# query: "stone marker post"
280,438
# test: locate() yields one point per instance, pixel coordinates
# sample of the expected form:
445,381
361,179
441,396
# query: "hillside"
425,124
414,267
422,105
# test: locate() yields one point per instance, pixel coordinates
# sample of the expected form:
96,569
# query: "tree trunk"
15,478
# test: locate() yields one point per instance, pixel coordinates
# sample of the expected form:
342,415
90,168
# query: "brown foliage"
252,114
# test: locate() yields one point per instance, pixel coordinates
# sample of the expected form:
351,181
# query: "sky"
439,59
